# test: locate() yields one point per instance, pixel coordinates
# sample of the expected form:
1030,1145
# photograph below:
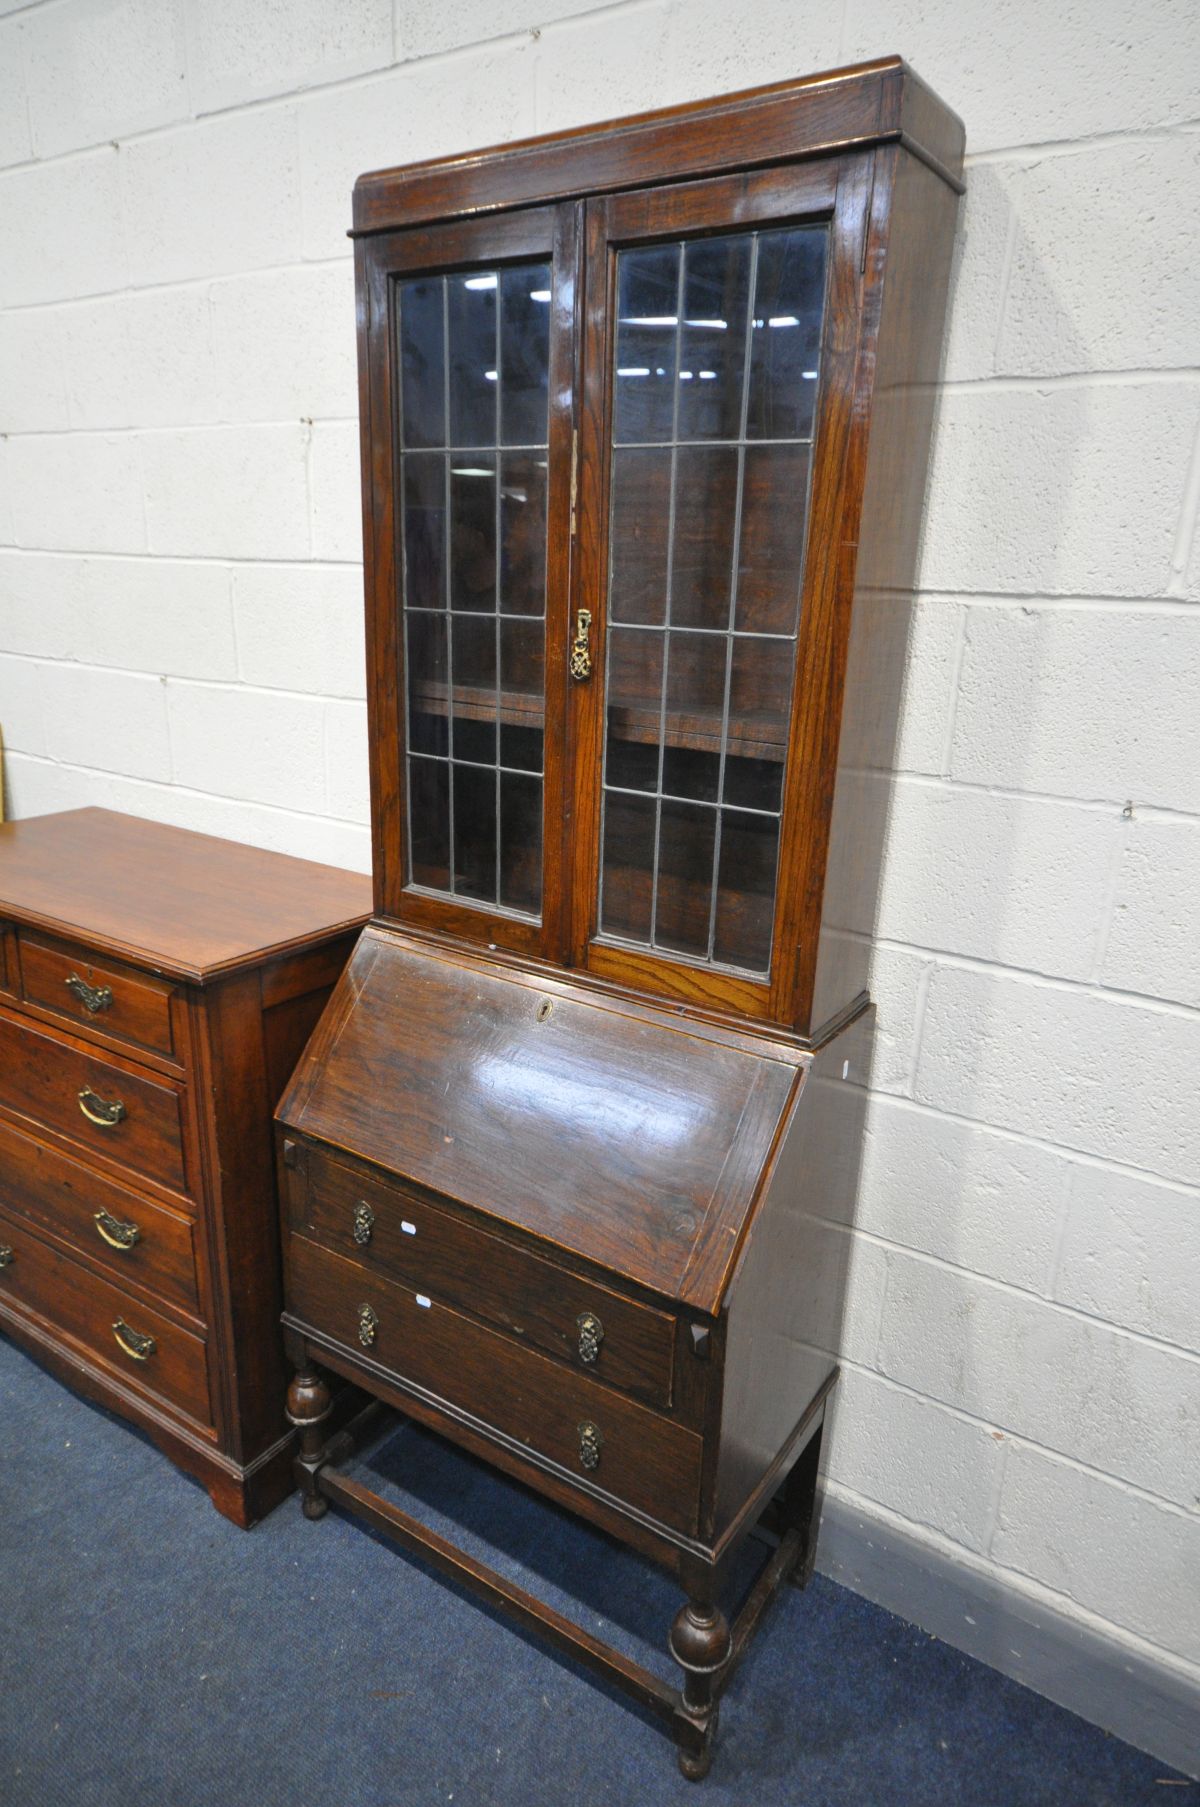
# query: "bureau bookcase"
569,1162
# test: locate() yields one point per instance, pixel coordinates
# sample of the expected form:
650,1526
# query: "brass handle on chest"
134,1342
364,1223
105,1114
590,1444
591,1335
368,1326
94,998
581,646
116,1234
7,1256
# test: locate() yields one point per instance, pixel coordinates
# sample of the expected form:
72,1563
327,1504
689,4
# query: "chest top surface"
187,904
614,1132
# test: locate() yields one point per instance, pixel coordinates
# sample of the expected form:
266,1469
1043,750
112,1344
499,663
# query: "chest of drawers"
156,987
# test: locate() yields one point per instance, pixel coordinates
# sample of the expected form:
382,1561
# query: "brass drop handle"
94,998
116,1234
105,1114
581,646
7,1256
134,1342
368,1326
590,1445
591,1335
364,1223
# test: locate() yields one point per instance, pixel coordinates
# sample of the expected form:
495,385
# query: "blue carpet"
154,1656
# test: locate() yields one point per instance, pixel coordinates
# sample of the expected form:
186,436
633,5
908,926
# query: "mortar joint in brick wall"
1055,1307
1185,537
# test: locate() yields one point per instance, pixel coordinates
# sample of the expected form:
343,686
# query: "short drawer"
103,1104
391,1231
589,1432
126,1232
128,1337
102,995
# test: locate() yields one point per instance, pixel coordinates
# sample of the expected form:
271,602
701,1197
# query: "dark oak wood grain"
396,1232
632,1143
642,1457
641,1103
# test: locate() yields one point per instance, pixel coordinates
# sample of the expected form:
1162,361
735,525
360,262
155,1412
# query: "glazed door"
713,435
471,338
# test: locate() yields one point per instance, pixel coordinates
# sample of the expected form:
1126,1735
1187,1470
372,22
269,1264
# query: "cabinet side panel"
246,1054
784,1322
909,253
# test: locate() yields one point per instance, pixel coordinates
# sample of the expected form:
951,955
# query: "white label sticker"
422,1300
410,1229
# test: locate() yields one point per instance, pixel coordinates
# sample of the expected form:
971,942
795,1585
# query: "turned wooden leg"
308,1406
700,1644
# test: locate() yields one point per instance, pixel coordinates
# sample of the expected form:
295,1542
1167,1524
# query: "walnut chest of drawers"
156,987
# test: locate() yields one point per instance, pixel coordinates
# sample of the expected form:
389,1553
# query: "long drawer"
127,1336
591,1433
50,1081
134,1238
393,1232
100,995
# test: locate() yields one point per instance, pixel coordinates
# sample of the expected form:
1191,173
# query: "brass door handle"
100,1111
591,1335
7,1256
590,1444
581,646
134,1342
364,1223
368,1326
116,1234
94,998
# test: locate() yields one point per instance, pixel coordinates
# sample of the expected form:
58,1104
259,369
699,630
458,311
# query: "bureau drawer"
125,1231
650,1462
389,1230
103,995
129,1337
58,1086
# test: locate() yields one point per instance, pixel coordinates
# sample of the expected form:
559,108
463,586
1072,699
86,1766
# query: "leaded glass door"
713,352
478,321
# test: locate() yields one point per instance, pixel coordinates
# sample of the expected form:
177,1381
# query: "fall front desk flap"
622,1134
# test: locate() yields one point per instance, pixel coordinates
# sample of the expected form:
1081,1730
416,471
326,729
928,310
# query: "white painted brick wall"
181,636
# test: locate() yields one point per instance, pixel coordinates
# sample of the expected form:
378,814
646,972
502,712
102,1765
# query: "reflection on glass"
715,372
473,353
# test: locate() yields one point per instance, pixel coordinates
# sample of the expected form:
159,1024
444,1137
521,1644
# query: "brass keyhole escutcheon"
590,1445
581,646
364,1223
7,1256
591,1335
368,1326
